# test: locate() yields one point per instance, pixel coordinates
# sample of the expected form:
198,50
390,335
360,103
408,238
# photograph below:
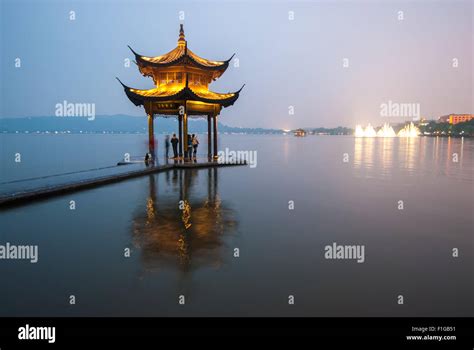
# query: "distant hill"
113,124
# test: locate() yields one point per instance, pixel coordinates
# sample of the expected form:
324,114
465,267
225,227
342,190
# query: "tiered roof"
182,58
139,97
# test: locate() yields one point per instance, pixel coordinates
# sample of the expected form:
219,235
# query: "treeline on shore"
446,129
340,130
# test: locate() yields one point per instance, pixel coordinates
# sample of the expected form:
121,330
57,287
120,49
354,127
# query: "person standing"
167,146
147,159
174,143
190,147
195,146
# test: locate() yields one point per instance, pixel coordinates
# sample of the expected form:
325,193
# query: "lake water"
189,251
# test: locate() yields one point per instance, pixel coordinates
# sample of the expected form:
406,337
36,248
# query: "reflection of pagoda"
189,233
181,78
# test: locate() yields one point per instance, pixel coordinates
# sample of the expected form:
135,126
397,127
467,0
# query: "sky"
304,63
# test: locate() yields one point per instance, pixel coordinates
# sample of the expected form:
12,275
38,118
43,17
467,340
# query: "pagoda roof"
138,97
181,55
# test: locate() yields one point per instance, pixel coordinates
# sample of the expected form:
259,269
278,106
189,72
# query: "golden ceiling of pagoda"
211,95
170,91
158,92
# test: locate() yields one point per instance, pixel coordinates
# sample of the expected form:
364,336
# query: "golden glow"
300,133
163,239
173,89
161,91
183,250
186,216
203,92
150,209
174,74
170,77
171,56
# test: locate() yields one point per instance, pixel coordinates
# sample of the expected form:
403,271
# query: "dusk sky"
283,62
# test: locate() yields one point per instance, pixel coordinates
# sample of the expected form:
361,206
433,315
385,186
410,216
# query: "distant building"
455,118
300,132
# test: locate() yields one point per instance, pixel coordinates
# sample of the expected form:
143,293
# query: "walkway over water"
23,191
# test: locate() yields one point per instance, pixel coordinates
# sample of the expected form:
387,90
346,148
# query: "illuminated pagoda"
181,81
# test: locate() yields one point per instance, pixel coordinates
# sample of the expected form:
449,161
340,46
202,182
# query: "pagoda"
181,80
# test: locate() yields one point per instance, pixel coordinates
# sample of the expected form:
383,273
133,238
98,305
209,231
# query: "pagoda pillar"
209,146
151,136
215,135
180,135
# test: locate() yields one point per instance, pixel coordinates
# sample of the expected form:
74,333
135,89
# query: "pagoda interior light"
199,88
201,103
171,88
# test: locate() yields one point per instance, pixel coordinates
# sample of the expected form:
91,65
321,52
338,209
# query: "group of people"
193,144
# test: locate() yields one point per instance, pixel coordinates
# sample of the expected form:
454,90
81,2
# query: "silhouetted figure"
174,143
147,159
190,147
195,143
167,146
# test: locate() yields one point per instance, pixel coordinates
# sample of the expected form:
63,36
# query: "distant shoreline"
129,125
125,124
224,133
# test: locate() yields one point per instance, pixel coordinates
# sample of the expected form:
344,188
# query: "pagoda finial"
181,40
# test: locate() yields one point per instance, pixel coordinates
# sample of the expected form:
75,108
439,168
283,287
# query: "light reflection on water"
384,157
186,233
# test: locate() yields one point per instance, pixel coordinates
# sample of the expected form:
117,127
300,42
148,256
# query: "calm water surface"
190,251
